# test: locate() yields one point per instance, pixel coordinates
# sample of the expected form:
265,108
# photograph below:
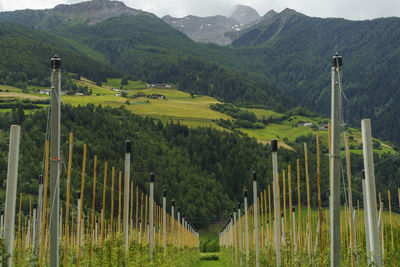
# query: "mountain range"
213,29
280,60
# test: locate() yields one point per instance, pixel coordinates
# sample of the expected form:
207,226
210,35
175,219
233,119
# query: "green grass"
193,112
116,83
260,113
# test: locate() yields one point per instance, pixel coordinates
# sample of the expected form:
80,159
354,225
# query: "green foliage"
21,66
4,255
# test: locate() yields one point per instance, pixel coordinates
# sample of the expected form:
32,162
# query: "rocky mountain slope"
212,29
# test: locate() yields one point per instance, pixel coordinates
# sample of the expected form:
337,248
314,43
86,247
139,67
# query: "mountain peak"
95,11
244,14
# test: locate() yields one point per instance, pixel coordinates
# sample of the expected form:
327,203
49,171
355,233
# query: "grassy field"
181,106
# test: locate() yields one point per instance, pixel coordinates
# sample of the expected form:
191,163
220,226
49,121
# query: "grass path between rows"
209,263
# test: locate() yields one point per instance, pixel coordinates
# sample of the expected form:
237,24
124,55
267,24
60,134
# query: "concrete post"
128,150
1,224
274,149
240,234
235,234
173,223
246,227
255,204
178,229
151,214
164,219
335,162
11,193
371,192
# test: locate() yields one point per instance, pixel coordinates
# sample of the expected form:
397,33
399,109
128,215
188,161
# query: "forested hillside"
25,55
295,50
204,169
281,62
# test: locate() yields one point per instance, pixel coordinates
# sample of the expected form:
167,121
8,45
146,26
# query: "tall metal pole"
164,219
11,193
246,227
128,150
371,192
255,205
151,224
274,149
335,162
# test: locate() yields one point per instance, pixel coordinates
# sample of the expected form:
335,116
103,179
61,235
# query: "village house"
323,127
304,124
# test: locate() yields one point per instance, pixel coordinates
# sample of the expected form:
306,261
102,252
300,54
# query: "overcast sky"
350,9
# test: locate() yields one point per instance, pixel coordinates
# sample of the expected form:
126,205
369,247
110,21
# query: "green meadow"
192,111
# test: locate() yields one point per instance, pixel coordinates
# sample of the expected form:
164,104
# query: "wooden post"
119,202
80,204
19,231
11,191
270,215
43,224
299,209
137,211
391,226
291,214
131,213
319,201
371,192
284,226
308,201
71,140
93,209
112,202
104,208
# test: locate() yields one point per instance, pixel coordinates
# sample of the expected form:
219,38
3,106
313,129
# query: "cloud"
354,9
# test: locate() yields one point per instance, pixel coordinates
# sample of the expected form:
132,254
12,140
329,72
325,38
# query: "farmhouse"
323,127
304,124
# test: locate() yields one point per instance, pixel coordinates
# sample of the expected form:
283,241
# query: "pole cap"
245,193
128,146
151,177
34,205
40,179
173,203
56,62
164,193
274,145
78,195
254,175
337,60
